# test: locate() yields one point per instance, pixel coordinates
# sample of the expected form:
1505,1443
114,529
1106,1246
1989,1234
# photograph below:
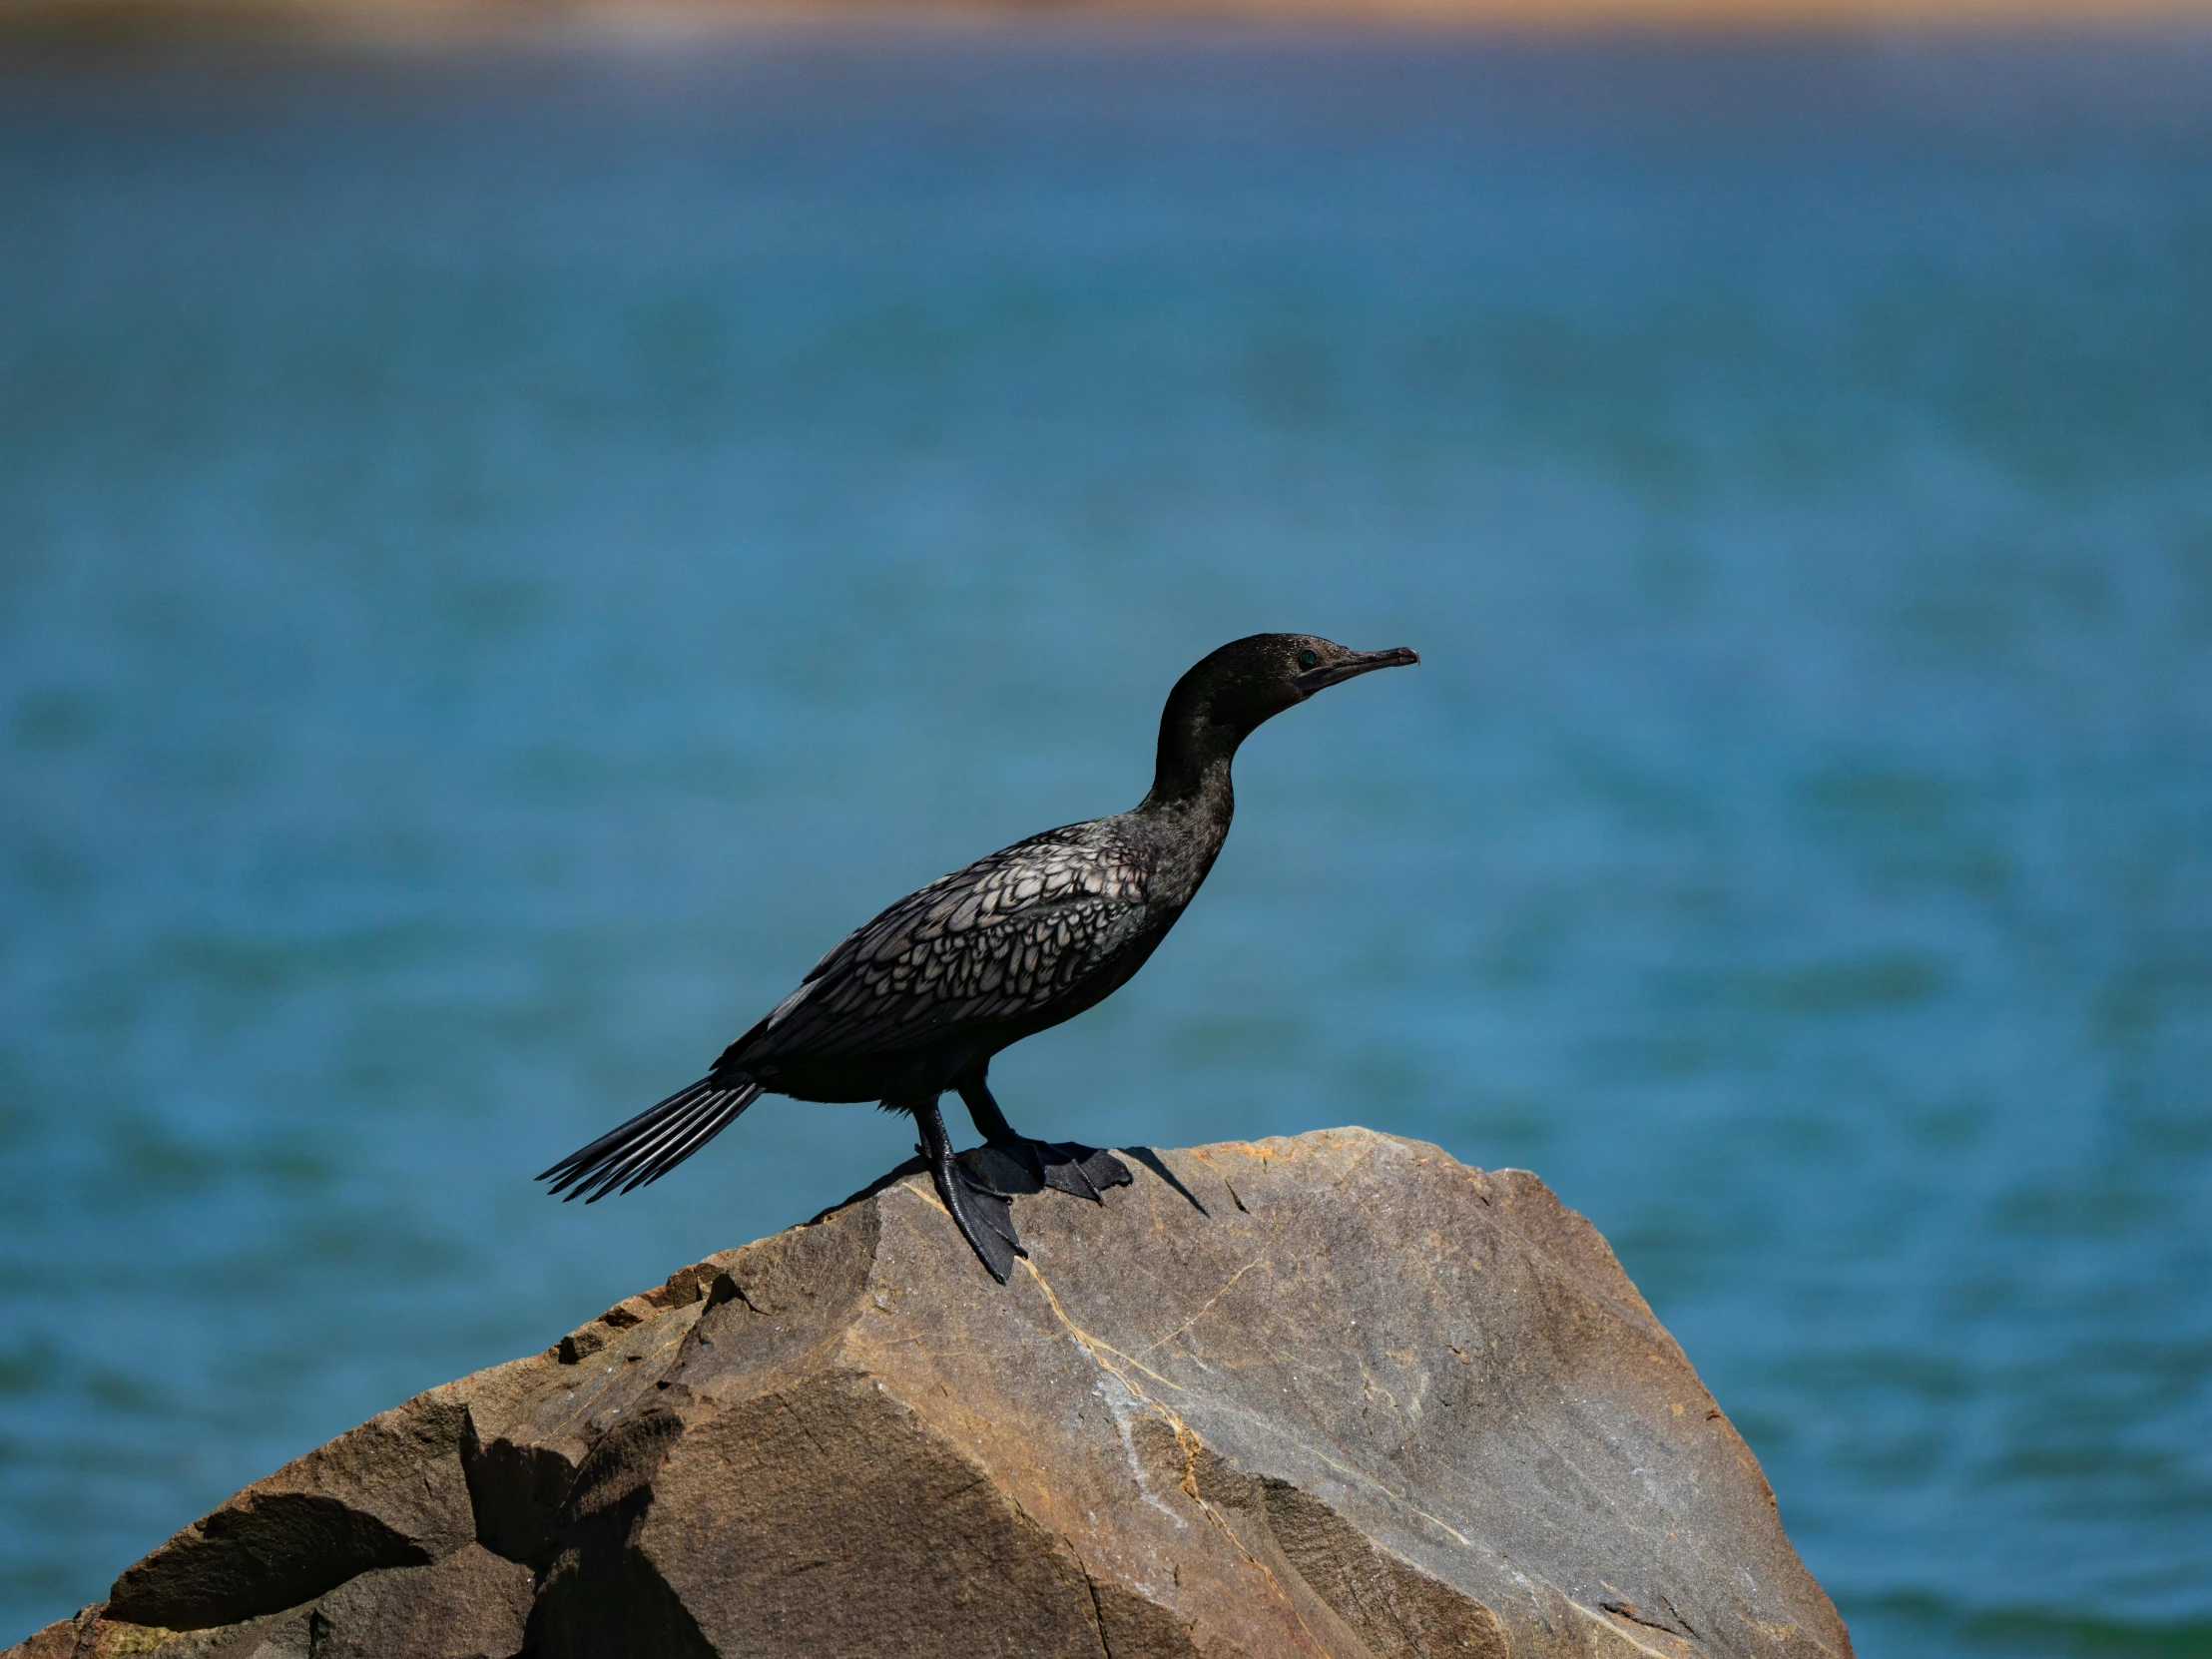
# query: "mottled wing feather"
1003,938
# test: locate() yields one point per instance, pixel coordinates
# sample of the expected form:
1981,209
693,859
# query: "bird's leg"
982,1212
990,1122
1085,1170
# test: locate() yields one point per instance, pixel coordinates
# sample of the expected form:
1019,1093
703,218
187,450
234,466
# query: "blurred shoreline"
431,22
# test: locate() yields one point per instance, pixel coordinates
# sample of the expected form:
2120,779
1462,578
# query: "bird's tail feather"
653,1142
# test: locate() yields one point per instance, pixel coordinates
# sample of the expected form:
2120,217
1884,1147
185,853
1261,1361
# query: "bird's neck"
1190,785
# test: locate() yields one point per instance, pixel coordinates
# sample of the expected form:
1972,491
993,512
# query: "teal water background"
506,554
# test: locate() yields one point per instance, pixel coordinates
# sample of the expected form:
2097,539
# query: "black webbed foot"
1065,1166
983,1214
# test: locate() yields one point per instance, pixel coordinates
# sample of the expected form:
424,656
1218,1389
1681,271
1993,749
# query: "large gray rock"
1335,1394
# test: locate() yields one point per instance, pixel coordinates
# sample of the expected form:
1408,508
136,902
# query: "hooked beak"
1352,663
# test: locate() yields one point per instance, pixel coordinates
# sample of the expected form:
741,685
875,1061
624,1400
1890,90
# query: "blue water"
506,554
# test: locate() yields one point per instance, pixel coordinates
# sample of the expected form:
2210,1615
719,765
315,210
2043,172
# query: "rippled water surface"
505,556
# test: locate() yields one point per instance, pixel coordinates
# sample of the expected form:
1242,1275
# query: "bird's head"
1230,691
1251,680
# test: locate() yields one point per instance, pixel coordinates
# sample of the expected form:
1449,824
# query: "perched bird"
918,1000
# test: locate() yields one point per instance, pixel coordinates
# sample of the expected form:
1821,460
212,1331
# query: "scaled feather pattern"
1007,935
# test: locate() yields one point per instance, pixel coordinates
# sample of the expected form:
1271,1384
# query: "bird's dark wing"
1004,937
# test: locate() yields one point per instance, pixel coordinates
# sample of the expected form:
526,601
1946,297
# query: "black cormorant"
920,999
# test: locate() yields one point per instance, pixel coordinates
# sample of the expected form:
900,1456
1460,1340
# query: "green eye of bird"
1306,659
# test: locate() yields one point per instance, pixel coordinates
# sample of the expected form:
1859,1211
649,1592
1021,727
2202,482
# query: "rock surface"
1335,1394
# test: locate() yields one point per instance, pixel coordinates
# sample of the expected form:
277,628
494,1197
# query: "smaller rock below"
471,1605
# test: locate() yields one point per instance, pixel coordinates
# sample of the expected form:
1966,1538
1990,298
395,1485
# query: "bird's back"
1016,936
